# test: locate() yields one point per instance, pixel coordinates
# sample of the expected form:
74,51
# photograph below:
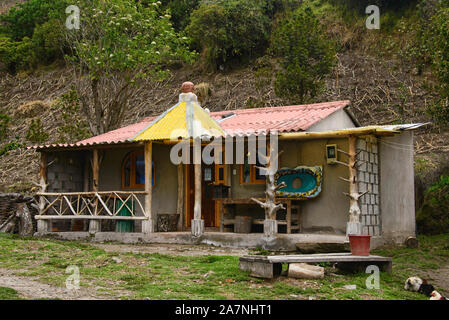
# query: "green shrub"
433,216
9,147
180,11
4,122
73,128
227,30
21,20
31,34
48,41
441,53
305,55
35,132
16,54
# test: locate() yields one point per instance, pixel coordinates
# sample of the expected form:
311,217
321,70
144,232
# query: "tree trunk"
25,220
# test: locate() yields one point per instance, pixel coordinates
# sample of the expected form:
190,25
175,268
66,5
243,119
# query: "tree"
305,55
120,43
226,30
440,57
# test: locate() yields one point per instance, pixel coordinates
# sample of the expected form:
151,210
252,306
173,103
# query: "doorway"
207,194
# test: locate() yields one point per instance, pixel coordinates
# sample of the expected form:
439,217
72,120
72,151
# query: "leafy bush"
360,5
9,147
305,55
31,33
433,216
21,20
36,132
441,54
180,11
4,122
48,41
16,54
73,128
228,30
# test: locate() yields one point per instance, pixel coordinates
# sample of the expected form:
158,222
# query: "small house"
135,183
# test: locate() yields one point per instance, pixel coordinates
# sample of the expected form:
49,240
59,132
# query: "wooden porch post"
95,225
180,204
353,226
148,225
42,225
197,223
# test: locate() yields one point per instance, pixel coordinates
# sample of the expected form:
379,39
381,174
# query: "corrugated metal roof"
286,119
282,119
186,119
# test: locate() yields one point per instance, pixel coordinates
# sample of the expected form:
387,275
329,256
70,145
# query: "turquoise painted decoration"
302,182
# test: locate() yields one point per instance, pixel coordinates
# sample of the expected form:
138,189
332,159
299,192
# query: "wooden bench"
271,266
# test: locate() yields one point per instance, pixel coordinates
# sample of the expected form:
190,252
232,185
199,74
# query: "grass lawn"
157,276
8,294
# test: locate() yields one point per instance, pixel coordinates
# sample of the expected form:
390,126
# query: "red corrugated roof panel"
239,122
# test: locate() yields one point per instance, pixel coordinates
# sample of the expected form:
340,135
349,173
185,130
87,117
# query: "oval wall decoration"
302,182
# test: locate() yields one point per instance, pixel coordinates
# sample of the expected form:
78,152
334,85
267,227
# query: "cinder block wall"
368,180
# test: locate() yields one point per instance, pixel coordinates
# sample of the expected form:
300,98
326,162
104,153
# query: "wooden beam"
354,226
148,225
40,217
197,205
90,193
180,203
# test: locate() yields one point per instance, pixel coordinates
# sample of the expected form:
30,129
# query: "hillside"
382,86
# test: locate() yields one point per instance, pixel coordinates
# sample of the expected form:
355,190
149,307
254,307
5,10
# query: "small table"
288,220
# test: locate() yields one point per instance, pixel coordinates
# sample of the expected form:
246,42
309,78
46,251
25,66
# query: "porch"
281,242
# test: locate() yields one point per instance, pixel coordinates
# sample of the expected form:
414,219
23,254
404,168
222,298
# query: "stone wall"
368,179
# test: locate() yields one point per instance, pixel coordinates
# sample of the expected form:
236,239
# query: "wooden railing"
90,205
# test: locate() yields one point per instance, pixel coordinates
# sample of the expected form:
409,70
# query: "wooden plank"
104,205
314,258
148,180
91,194
90,217
289,217
180,203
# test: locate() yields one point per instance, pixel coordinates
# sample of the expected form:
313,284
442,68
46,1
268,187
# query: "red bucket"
360,244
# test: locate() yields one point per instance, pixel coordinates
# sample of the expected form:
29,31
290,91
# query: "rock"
208,274
117,260
305,271
350,287
328,247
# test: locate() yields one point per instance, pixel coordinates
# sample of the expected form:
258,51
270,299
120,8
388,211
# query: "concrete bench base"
271,266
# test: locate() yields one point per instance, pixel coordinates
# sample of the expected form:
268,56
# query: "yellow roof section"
185,120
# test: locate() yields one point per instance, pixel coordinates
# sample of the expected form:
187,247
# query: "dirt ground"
28,288
173,249
440,278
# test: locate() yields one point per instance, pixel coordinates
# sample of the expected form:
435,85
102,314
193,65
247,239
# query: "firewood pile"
17,214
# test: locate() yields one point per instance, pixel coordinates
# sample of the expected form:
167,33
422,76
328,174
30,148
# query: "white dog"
419,285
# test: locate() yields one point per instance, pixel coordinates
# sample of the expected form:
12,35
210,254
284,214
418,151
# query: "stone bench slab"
271,266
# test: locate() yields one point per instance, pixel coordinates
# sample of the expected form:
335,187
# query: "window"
249,174
133,171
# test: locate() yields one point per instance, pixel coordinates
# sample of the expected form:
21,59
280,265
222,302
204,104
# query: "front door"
207,202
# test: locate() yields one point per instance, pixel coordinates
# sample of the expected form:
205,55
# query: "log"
180,204
16,214
411,242
305,271
354,226
94,225
25,220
